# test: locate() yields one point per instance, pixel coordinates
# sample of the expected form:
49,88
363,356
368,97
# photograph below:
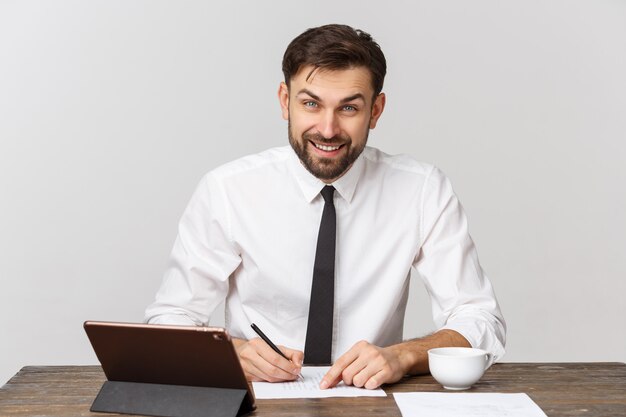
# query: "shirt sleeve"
462,296
201,262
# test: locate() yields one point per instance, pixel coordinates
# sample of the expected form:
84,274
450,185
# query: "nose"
328,125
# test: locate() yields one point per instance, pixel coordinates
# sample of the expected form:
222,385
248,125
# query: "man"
335,288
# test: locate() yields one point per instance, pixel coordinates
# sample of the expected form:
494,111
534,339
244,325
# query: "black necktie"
319,331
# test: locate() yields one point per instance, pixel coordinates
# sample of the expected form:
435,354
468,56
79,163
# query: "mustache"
316,137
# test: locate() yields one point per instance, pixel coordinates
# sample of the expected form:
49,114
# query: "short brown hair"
335,47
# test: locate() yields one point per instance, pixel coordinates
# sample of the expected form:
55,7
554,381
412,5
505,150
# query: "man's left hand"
367,366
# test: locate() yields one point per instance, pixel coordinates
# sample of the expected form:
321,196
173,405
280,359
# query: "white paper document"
309,387
441,404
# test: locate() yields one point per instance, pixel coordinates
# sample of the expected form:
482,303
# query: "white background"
111,111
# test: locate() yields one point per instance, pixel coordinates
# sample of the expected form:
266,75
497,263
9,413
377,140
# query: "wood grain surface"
560,389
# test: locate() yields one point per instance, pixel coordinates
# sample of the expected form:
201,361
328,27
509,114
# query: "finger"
274,365
274,358
363,375
280,361
255,373
378,371
268,372
333,376
367,363
257,356
356,367
247,357
375,381
330,381
295,356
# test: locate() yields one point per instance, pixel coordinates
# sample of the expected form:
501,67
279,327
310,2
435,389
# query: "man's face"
329,116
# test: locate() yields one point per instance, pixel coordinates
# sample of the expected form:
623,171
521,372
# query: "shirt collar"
311,185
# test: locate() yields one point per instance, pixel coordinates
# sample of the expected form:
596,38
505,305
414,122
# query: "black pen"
269,342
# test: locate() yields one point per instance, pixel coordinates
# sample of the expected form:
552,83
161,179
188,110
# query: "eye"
349,108
310,104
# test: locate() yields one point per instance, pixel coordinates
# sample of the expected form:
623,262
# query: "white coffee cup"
458,368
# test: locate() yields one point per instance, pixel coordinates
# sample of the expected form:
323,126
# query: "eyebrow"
356,96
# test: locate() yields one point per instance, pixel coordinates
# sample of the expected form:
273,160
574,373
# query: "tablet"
169,355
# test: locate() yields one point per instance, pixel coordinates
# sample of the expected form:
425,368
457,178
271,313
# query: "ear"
377,109
283,99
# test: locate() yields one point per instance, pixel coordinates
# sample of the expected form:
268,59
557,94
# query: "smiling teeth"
326,148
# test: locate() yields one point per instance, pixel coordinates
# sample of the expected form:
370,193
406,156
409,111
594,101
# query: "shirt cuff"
482,335
171,319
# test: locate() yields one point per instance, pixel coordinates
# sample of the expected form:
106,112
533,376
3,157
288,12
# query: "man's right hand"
261,363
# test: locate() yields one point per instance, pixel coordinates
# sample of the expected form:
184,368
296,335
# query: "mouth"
327,150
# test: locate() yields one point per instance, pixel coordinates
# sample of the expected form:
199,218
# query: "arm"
369,366
464,306
462,297
202,259
196,282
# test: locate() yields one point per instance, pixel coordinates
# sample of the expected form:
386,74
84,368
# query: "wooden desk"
560,389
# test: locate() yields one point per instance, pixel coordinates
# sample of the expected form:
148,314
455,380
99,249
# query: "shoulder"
273,159
400,164
404,174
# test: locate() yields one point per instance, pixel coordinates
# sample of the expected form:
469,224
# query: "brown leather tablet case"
168,370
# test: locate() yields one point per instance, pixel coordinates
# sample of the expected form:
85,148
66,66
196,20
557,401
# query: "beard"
325,168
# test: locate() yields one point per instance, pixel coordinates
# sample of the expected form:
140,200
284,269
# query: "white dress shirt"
249,236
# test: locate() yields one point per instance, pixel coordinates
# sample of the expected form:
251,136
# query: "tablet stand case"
170,400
